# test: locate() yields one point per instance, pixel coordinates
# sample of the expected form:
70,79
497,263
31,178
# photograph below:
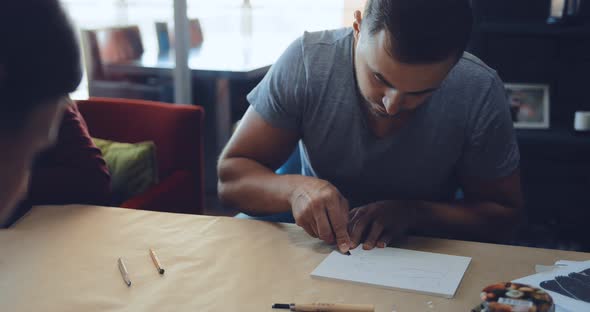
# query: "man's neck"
383,127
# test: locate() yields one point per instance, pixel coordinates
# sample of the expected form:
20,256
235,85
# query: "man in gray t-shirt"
391,118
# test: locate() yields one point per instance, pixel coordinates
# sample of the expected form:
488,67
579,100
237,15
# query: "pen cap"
334,307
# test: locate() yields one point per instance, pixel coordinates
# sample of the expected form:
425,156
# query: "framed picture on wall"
529,105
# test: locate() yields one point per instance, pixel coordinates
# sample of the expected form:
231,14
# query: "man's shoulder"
326,37
471,78
320,41
470,67
327,57
471,87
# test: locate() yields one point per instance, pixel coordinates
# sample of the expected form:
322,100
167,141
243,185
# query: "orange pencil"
156,261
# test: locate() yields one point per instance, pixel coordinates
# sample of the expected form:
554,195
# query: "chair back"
176,130
110,46
120,45
166,39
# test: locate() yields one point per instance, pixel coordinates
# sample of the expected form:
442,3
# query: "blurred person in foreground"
39,66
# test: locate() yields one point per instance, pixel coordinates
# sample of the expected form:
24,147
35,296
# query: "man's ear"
356,25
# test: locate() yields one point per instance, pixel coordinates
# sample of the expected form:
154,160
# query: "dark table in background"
223,70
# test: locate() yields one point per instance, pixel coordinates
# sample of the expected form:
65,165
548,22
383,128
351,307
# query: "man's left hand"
379,223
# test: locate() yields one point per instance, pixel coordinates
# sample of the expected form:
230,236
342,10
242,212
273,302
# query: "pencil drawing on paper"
430,276
395,268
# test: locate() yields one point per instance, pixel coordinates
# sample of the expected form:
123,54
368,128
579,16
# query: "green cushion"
133,167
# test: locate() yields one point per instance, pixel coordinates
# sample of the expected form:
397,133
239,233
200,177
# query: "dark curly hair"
421,31
39,58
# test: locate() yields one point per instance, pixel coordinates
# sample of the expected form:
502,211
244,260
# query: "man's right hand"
320,209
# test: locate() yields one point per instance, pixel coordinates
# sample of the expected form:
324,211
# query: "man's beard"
374,109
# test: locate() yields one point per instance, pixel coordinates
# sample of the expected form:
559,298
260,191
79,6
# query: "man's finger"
353,213
338,216
374,234
314,229
309,227
385,239
356,214
310,232
323,227
359,227
352,218
308,224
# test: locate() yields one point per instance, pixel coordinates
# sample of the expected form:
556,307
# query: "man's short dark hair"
421,31
39,57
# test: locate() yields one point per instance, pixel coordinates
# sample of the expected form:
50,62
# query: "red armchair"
176,130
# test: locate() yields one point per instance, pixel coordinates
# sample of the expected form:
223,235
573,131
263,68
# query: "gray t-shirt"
464,129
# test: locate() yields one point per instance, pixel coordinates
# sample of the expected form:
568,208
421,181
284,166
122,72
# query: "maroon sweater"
73,171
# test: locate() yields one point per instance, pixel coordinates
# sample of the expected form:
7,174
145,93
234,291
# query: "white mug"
582,121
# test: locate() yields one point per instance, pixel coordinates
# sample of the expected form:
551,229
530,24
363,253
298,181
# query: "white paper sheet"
563,303
401,269
565,263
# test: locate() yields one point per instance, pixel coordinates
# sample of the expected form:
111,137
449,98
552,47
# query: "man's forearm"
253,188
482,220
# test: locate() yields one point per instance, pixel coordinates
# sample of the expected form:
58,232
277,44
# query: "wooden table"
64,258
